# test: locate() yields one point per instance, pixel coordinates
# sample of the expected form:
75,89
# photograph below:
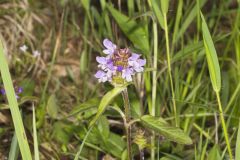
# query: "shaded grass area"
175,86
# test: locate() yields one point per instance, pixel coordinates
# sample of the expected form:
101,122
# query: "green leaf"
93,102
115,145
164,6
158,13
63,131
103,128
237,151
135,32
214,153
212,59
52,107
14,149
159,125
190,17
16,115
107,98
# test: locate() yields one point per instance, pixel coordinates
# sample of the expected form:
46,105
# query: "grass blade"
14,150
16,115
212,59
35,140
237,152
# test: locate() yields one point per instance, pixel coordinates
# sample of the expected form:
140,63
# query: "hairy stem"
128,118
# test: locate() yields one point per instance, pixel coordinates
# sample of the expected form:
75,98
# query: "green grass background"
179,84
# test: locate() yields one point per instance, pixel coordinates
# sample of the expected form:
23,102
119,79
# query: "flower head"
119,65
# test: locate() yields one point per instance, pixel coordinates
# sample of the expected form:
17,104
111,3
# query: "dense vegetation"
183,106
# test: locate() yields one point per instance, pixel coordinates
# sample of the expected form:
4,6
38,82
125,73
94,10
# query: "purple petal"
141,62
101,60
134,57
100,74
138,69
127,74
108,51
109,45
20,90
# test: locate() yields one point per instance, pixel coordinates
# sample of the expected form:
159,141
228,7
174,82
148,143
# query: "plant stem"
154,85
128,118
169,68
224,126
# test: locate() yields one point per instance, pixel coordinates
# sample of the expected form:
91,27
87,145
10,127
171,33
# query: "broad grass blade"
13,104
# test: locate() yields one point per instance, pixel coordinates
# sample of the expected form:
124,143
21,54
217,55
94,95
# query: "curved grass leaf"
212,59
135,32
107,98
161,127
16,115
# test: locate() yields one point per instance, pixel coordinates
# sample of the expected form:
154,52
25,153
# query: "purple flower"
119,65
137,64
3,92
111,47
18,90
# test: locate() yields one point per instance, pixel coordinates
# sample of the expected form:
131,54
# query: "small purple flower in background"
23,48
18,90
3,92
36,53
119,65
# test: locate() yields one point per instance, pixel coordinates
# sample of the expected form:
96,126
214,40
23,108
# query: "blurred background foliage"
61,84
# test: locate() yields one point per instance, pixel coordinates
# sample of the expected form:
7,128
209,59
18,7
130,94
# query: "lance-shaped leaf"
160,126
107,98
212,59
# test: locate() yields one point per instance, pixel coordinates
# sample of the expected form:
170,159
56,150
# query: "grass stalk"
13,105
224,126
169,67
154,84
35,139
128,118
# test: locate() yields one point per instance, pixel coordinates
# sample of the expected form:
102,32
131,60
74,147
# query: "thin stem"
128,118
224,126
141,152
154,85
169,68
